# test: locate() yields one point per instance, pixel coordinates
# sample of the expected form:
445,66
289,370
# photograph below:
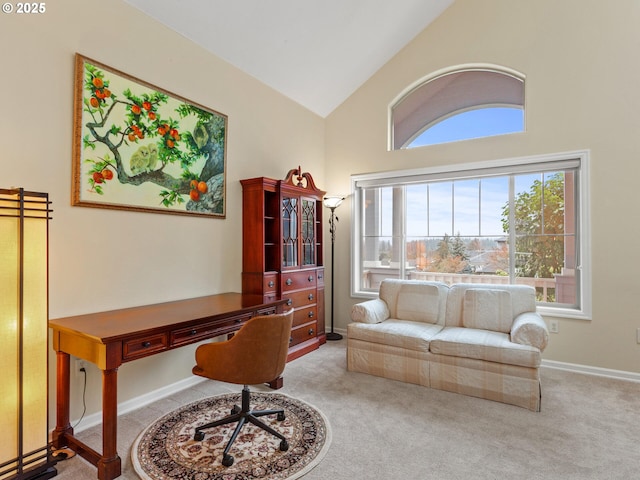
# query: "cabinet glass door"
308,220
289,232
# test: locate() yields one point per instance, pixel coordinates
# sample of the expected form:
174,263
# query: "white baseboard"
597,371
139,402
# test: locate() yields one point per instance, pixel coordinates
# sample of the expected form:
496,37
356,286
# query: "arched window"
460,104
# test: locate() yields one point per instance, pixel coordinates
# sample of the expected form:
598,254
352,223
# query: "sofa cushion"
487,309
484,345
417,302
397,333
523,299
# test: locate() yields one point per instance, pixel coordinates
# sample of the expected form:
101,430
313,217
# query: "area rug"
166,449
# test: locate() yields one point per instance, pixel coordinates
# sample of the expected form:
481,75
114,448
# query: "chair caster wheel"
227,460
280,416
198,437
284,446
235,409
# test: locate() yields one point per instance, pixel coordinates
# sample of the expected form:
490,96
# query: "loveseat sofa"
474,339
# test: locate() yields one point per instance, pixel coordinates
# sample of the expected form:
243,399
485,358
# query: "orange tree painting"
140,148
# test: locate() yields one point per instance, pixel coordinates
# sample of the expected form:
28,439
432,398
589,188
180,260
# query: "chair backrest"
257,353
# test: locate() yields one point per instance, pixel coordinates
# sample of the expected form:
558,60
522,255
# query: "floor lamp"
25,452
332,202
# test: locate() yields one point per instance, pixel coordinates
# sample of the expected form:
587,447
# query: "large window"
519,221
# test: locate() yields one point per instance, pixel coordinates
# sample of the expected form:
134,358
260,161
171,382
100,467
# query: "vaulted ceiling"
316,52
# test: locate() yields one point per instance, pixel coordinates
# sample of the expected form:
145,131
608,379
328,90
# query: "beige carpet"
589,427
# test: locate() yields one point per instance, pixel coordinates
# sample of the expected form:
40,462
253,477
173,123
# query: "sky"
482,122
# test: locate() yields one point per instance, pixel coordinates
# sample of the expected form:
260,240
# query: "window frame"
473,170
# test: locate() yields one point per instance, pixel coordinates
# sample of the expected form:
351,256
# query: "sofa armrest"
371,311
530,329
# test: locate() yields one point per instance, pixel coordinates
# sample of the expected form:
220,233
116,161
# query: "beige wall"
580,58
582,72
106,259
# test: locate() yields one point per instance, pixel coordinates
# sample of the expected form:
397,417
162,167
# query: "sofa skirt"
386,361
511,384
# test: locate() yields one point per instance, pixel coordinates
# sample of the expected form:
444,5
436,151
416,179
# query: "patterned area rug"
166,450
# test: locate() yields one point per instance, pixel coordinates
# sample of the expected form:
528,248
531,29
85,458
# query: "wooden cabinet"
282,254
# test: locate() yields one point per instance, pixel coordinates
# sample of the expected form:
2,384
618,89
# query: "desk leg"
63,424
109,466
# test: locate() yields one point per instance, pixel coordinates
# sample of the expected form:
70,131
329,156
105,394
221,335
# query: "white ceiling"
316,52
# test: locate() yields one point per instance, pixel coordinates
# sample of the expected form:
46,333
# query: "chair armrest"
371,311
530,329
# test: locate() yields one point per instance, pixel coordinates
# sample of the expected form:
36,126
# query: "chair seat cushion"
397,333
484,345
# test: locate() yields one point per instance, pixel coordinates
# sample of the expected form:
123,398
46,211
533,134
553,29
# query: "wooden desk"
109,339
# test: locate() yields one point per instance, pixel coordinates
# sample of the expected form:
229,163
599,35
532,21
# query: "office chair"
257,353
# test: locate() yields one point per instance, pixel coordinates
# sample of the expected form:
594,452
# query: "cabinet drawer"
304,315
301,298
143,346
298,280
270,284
303,333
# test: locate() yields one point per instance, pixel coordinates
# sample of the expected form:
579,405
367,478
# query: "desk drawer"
303,333
143,346
184,336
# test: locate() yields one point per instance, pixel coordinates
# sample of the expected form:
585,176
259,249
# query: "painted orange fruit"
202,187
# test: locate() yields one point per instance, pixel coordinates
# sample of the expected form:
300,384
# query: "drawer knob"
271,284
310,314
238,320
146,344
289,302
290,339
310,278
311,331
310,297
320,276
289,281
193,332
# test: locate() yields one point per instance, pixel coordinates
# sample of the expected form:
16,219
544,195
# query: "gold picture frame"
138,147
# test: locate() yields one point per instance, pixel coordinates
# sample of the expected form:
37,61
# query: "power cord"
66,453
84,397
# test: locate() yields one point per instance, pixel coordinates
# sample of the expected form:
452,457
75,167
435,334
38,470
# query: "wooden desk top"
114,325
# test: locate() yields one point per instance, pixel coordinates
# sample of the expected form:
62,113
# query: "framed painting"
138,147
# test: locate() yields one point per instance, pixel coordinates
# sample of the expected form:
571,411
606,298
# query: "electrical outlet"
80,365
554,326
